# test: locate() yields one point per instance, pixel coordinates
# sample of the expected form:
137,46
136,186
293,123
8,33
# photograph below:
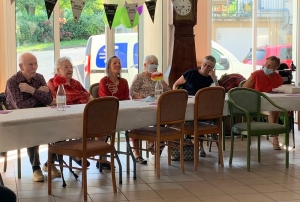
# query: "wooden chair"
208,113
99,120
171,108
247,102
93,90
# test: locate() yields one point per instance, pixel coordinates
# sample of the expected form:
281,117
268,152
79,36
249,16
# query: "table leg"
298,120
131,154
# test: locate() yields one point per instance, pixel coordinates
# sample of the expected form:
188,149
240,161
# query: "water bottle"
158,90
61,98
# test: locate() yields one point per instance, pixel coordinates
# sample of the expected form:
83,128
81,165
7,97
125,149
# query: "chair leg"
169,152
140,146
287,150
5,162
113,175
157,158
258,148
19,163
127,159
248,152
231,149
49,172
181,154
118,141
223,133
293,127
196,152
221,160
120,166
84,178
1,180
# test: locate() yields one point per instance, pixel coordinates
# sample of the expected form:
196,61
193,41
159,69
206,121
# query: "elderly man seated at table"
196,79
142,87
28,89
265,80
75,92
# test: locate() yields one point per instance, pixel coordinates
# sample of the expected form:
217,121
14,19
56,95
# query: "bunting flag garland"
110,11
151,5
77,7
50,4
131,10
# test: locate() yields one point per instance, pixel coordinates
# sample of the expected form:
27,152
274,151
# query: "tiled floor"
267,181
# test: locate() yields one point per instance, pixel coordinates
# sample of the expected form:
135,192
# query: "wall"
2,48
202,30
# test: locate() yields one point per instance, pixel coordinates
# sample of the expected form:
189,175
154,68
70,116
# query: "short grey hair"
60,61
107,68
150,58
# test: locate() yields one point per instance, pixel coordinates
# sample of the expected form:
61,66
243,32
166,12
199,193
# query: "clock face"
182,7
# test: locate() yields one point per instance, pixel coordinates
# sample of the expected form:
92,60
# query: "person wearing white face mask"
264,81
142,87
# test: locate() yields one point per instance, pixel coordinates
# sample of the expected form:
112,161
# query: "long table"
29,127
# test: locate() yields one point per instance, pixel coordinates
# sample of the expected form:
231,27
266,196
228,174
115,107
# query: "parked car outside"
126,48
284,52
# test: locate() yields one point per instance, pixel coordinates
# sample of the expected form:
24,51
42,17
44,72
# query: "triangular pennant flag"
77,6
131,10
151,5
50,4
110,11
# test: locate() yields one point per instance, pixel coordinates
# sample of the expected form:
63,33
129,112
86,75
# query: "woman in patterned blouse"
142,87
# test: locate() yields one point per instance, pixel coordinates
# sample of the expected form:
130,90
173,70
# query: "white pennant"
131,10
77,7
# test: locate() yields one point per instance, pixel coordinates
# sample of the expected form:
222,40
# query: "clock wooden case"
184,52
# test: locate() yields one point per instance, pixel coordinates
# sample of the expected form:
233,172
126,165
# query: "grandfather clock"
184,52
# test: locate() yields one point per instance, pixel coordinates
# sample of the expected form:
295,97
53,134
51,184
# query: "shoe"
151,148
104,165
79,162
54,171
276,144
202,152
140,160
37,176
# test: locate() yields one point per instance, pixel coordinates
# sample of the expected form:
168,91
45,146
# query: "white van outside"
126,48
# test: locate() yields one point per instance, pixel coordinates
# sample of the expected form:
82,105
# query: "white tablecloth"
29,127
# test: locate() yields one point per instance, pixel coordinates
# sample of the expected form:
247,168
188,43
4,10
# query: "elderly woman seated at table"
265,80
142,87
75,93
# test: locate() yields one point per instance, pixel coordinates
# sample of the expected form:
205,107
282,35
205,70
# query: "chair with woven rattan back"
171,108
99,120
208,113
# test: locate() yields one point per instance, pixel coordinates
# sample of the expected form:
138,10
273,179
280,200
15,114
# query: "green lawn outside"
50,46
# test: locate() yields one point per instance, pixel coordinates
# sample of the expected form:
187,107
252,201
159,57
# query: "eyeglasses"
207,65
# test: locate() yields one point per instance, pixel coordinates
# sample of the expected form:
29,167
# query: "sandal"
151,148
276,144
140,160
